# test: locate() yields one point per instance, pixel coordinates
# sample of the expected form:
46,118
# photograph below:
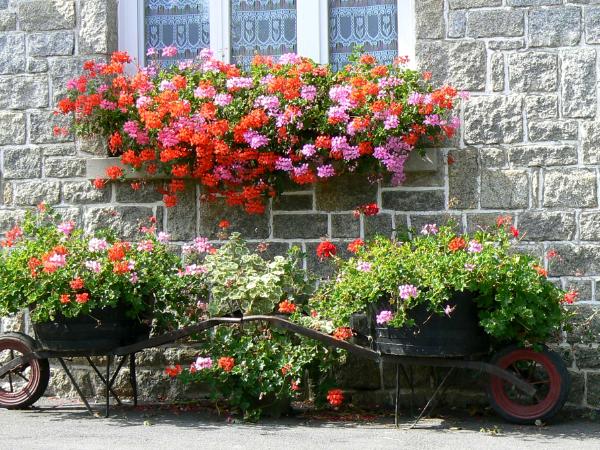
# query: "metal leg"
93,366
119,367
432,397
397,399
409,380
107,393
133,378
75,385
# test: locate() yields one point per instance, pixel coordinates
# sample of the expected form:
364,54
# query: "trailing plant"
515,299
258,369
244,134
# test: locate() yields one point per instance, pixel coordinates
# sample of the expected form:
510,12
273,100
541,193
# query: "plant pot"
435,335
100,331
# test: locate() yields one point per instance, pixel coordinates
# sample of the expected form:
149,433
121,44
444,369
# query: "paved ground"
64,425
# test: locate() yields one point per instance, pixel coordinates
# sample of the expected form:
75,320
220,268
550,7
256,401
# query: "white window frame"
312,41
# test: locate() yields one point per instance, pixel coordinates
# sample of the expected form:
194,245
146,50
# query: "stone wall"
529,147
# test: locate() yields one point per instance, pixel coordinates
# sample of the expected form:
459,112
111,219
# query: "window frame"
310,42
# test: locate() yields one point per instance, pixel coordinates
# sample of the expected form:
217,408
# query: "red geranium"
343,333
76,284
114,172
335,397
174,370
82,298
456,244
287,307
570,297
226,363
326,250
355,245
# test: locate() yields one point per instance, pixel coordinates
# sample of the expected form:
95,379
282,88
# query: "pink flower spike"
469,267
449,310
93,266
97,245
475,247
363,266
384,317
202,363
163,237
408,291
66,228
428,229
169,51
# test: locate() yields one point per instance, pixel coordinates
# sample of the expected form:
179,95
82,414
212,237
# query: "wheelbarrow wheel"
545,370
26,383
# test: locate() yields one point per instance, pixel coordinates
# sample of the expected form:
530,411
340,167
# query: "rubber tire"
24,343
561,398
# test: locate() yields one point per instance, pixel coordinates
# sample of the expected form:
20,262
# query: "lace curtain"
372,23
182,23
267,27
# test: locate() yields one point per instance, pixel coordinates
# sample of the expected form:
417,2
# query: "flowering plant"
259,368
54,268
243,133
516,301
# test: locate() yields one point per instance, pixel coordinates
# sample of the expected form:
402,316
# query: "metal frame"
129,351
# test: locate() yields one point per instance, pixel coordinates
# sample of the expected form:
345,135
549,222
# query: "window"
325,30
180,23
265,26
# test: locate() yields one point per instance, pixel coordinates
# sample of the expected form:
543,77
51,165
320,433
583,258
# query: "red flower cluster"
370,209
174,370
355,245
11,236
335,397
343,333
76,284
326,250
239,134
457,243
287,307
540,270
570,297
226,363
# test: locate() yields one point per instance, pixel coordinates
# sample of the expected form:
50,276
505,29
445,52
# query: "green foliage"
242,281
516,302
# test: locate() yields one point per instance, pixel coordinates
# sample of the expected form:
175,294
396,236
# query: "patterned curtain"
267,27
371,23
182,23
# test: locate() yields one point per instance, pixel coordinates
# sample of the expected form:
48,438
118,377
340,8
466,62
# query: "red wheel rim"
24,391
500,388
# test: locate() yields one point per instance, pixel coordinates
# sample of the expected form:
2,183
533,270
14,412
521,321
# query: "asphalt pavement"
64,424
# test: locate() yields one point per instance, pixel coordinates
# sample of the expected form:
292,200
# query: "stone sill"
96,167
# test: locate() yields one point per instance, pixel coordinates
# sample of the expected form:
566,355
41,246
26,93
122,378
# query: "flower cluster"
240,133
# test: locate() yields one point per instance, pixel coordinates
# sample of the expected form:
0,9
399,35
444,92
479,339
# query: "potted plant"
88,291
256,368
442,293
